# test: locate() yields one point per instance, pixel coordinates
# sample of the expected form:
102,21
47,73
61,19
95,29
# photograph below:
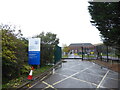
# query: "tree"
14,53
106,18
48,43
66,49
48,38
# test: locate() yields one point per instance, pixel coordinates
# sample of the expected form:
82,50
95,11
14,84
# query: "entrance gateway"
81,51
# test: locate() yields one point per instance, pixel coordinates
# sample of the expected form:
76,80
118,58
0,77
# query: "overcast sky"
69,19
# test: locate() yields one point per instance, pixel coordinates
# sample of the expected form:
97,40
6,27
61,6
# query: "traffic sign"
34,51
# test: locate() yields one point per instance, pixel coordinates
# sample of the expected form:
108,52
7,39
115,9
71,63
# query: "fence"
87,53
101,52
57,54
50,54
107,53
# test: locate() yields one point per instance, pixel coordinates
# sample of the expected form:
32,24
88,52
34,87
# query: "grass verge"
14,83
65,56
86,56
115,66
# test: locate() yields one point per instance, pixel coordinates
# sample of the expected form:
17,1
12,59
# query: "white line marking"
103,79
72,70
78,79
93,74
71,67
64,79
84,81
102,76
72,75
37,82
48,87
33,85
103,87
61,74
43,78
47,84
112,78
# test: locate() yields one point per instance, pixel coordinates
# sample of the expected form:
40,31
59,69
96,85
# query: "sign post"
34,51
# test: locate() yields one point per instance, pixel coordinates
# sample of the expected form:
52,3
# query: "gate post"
107,53
57,54
82,53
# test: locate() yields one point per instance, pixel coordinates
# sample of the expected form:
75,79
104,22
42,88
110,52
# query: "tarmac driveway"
80,74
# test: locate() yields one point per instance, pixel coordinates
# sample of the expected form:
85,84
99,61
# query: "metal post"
38,66
97,52
82,53
107,54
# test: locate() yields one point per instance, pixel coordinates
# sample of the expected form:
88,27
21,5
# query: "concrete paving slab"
86,63
78,68
66,72
74,89
113,72
112,76
110,83
72,83
82,74
88,77
54,78
67,65
97,70
70,64
49,89
99,73
39,85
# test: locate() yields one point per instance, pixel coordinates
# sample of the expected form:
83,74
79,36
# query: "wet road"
80,74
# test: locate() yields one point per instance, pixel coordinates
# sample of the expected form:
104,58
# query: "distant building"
77,47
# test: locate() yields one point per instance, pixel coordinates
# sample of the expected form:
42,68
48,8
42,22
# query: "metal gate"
57,54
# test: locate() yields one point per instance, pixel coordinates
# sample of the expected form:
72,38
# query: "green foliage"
41,70
0,44
66,49
106,18
48,38
14,53
25,69
48,42
14,83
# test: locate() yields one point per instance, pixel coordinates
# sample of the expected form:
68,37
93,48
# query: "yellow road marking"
48,85
36,82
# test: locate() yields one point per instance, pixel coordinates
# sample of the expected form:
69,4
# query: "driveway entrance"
76,73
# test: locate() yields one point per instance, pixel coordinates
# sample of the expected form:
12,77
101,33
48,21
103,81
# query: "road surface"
76,73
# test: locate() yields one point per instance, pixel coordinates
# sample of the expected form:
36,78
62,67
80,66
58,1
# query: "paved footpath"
80,74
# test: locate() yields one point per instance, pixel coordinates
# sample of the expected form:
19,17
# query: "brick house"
77,47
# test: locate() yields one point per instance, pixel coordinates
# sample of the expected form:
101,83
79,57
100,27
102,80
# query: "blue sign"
34,51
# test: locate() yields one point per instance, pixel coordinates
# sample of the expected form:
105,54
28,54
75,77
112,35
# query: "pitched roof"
80,44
